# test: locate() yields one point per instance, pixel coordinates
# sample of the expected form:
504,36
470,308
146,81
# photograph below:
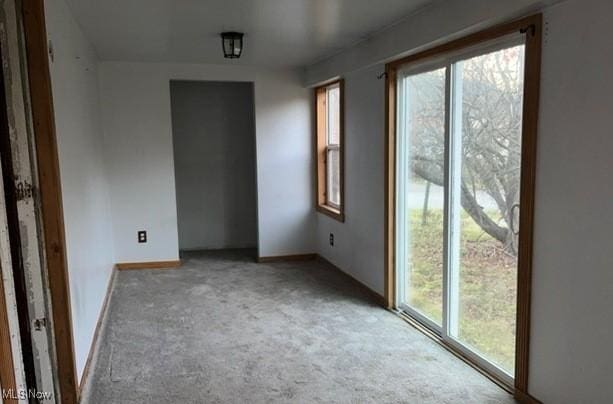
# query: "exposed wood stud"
7,365
50,194
7,369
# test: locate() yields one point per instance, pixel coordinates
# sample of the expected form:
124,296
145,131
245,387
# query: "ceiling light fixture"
232,43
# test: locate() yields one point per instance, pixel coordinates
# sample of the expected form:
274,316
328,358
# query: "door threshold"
457,353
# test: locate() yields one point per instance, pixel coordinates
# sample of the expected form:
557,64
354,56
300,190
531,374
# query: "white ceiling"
278,33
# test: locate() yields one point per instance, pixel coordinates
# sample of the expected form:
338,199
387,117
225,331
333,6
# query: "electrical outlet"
332,239
142,236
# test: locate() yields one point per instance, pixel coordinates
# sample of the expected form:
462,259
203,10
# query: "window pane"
487,98
333,166
422,156
334,115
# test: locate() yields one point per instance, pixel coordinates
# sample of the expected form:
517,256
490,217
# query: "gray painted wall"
214,152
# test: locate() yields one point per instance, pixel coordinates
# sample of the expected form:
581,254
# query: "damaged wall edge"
12,356
50,195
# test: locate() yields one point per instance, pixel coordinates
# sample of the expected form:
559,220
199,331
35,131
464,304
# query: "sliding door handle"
512,219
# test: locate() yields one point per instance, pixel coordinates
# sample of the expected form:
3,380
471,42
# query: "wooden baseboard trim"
286,258
376,297
525,398
122,266
92,349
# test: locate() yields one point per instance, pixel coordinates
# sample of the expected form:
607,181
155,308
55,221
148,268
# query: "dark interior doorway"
215,164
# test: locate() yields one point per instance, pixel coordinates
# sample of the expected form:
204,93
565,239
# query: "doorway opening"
213,126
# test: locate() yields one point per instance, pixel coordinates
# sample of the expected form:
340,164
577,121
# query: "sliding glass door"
458,174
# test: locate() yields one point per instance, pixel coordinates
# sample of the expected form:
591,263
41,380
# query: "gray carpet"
223,329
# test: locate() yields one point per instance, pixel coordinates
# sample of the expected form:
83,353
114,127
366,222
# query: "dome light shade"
232,43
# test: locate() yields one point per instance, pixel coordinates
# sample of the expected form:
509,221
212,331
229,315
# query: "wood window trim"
532,27
321,204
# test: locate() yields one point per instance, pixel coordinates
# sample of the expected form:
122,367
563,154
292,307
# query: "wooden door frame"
532,27
50,195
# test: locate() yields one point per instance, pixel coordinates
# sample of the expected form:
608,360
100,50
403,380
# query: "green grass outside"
487,285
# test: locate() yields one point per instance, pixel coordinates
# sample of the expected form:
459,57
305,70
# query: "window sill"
332,212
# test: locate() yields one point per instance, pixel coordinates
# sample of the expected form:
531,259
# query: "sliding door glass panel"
485,162
421,178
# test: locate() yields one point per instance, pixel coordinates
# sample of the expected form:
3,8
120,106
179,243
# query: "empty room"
306,201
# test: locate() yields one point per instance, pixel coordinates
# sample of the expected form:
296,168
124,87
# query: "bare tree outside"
491,120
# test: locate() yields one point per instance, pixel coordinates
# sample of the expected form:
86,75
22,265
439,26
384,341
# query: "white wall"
85,191
572,309
213,132
138,146
572,323
358,242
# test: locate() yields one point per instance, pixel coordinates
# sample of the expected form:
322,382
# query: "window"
329,149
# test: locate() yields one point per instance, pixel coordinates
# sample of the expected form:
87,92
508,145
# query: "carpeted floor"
223,329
